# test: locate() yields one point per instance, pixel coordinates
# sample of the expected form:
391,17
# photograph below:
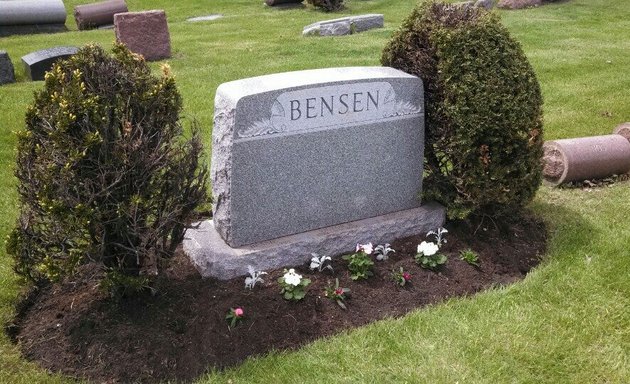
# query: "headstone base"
214,258
8,30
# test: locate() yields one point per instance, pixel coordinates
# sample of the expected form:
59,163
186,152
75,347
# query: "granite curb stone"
214,258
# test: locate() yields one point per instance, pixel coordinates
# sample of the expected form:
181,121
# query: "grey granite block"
37,63
7,75
25,12
214,258
365,22
297,151
282,2
344,26
204,18
8,30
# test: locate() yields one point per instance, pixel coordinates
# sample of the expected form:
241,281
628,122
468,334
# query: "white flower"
292,278
428,248
365,248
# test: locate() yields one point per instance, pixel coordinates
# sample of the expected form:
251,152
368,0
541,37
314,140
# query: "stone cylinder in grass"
484,128
586,158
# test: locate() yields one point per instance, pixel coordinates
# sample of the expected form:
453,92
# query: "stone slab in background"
487,4
204,18
344,26
37,63
145,33
32,16
214,258
365,22
9,30
94,15
7,75
585,158
26,12
518,4
297,151
282,2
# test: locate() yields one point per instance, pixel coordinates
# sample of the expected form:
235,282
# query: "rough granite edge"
214,258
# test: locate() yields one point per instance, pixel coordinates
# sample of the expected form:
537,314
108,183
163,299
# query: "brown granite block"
96,14
585,158
145,33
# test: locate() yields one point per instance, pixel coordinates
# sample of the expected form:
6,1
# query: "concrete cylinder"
25,12
585,158
623,130
97,14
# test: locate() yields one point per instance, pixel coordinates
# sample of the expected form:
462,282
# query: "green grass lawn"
567,322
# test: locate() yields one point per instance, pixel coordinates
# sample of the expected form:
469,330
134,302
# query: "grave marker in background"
145,33
313,161
37,63
7,75
98,14
32,16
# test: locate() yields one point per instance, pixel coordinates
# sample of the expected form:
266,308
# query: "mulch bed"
180,332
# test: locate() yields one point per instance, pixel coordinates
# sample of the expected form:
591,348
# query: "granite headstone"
312,161
7,75
145,33
37,63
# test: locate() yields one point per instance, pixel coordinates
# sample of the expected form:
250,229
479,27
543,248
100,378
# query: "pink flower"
339,291
406,276
238,312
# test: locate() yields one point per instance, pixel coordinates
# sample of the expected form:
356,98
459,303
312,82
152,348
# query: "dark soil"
180,332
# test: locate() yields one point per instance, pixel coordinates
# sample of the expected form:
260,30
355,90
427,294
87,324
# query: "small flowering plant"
469,256
337,294
365,248
428,257
401,277
253,278
382,252
234,316
359,263
439,235
321,262
293,285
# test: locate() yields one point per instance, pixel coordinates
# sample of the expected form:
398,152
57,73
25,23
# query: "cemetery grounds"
566,322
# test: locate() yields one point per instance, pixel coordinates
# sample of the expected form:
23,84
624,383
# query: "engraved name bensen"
330,106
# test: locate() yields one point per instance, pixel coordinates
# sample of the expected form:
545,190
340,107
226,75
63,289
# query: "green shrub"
326,5
104,172
483,129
